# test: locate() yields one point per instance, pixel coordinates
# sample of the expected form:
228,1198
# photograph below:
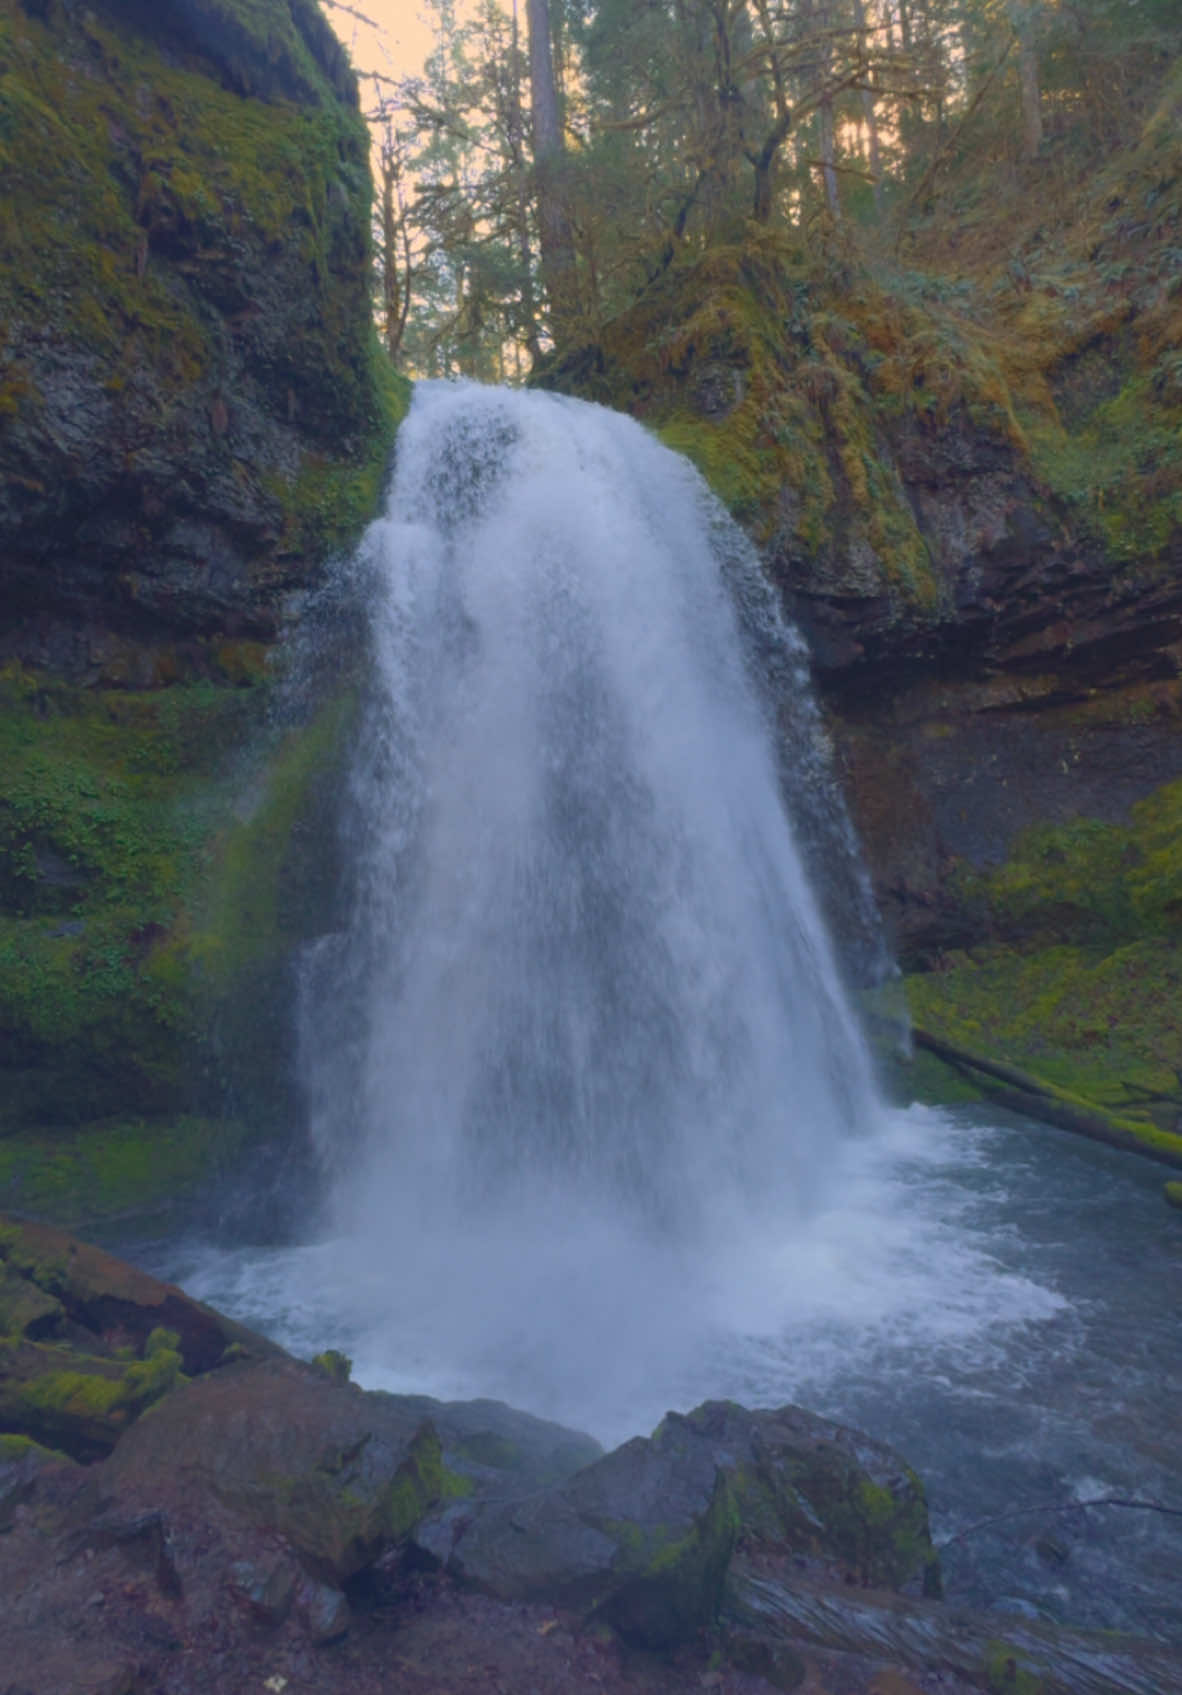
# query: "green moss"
336,1366
112,1170
108,803
1081,986
138,239
1120,471
787,379
66,1397
138,891
1006,1673
246,917
455,1487
418,1485
14,1448
93,1402
148,1379
1173,1193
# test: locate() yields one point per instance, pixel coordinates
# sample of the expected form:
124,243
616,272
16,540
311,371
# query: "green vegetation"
83,1402
141,243
146,882
336,1366
1007,1674
101,1173
185,288
109,804
1082,984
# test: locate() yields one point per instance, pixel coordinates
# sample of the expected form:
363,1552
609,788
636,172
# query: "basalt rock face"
194,417
191,410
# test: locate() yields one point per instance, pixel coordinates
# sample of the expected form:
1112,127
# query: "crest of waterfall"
584,959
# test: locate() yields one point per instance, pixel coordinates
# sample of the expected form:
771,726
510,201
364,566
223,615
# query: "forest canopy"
556,156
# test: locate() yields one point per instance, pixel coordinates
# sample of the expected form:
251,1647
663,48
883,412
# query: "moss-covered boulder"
642,1539
342,1476
87,1342
193,410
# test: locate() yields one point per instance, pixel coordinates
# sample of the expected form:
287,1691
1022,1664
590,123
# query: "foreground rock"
89,1342
643,1538
245,1520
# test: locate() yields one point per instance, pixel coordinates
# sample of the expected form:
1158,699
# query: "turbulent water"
598,1130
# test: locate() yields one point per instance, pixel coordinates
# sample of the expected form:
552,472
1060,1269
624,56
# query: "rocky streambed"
186,1507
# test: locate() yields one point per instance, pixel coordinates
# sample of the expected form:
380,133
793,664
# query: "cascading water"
585,1031
584,961
598,1131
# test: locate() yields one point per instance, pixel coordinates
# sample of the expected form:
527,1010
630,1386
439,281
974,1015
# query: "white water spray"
584,955
586,1028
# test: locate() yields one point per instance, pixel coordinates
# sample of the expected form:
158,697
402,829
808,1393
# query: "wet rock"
768,1600
190,403
22,1462
107,1304
68,1399
1051,1551
339,1474
495,1445
268,1588
92,1341
778,1662
323,1611
642,1539
25,1308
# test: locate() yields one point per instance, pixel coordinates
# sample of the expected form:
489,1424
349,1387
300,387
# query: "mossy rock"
80,1403
197,411
153,884
90,1342
642,1539
104,1175
341,1475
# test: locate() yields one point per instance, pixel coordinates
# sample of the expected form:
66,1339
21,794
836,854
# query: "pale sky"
398,44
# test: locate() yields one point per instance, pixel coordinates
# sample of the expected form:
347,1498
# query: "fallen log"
1034,1098
767,1609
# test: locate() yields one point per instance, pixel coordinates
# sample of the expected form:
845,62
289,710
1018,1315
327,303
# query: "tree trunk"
554,224
395,290
904,26
868,108
1031,99
828,164
529,309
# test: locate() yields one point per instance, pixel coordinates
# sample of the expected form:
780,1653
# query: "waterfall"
586,1011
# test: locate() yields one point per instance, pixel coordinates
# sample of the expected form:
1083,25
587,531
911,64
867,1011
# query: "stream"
995,1299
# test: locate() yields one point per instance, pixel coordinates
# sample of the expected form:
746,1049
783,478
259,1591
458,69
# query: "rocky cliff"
964,467
194,416
190,402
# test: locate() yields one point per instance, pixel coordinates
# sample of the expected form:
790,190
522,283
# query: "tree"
555,233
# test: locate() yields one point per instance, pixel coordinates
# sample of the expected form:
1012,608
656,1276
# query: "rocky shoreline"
185,1507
